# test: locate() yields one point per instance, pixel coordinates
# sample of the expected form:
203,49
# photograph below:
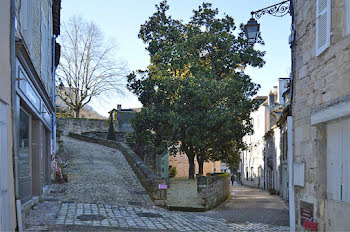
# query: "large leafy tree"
195,96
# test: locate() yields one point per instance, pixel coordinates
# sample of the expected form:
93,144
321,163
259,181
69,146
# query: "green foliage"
195,97
111,132
226,174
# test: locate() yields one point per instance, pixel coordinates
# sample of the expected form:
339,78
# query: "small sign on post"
162,186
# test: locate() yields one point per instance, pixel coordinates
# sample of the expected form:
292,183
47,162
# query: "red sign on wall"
310,225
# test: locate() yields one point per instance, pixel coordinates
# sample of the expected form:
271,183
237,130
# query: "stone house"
321,114
28,59
252,159
124,117
180,162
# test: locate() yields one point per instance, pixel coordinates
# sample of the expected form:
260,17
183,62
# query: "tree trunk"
200,166
191,170
77,113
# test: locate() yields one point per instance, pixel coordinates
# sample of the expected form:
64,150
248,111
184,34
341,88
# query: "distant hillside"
86,112
89,112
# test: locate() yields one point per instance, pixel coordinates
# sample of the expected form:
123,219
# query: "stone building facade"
321,113
180,162
28,60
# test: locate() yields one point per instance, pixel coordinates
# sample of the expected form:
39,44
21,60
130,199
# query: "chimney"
119,107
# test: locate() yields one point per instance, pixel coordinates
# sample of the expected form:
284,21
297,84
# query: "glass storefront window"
24,156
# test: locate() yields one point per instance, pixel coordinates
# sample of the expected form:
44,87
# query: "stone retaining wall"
120,136
213,190
79,125
148,179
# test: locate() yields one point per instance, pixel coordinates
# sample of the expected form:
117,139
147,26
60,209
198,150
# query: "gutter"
14,102
13,25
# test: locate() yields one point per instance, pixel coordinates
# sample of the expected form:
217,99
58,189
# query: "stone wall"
120,136
320,82
78,125
213,190
148,179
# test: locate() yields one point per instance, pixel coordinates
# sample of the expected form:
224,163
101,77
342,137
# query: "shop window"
24,161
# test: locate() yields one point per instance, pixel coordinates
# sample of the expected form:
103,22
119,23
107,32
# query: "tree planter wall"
213,190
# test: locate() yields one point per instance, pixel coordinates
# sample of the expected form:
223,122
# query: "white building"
252,159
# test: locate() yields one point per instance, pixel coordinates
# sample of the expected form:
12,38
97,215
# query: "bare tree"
87,68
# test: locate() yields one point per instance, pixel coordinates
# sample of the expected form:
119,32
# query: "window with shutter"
26,21
347,16
323,25
44,49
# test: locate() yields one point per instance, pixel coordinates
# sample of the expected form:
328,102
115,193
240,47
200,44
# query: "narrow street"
252,206
104,194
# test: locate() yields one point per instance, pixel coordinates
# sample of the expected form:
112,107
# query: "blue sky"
120,20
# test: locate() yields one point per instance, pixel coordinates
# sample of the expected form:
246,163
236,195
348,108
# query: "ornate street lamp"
252,29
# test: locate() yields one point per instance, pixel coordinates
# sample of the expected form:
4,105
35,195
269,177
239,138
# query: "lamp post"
252,28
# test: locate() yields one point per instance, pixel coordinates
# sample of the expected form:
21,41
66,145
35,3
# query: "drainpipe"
13,28
53,127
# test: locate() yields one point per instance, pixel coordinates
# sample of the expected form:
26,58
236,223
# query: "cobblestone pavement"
102,175
251,205
103,194
138,218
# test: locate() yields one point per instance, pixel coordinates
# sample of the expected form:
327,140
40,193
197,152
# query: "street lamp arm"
278,10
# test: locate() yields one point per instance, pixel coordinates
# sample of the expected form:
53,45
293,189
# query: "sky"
120,21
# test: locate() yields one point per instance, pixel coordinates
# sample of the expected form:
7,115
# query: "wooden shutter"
334,160
323,25
44,48
346,161
347,18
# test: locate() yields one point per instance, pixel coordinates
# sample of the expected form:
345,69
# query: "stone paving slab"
131,217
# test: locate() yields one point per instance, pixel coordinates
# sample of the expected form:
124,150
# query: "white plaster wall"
254,156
